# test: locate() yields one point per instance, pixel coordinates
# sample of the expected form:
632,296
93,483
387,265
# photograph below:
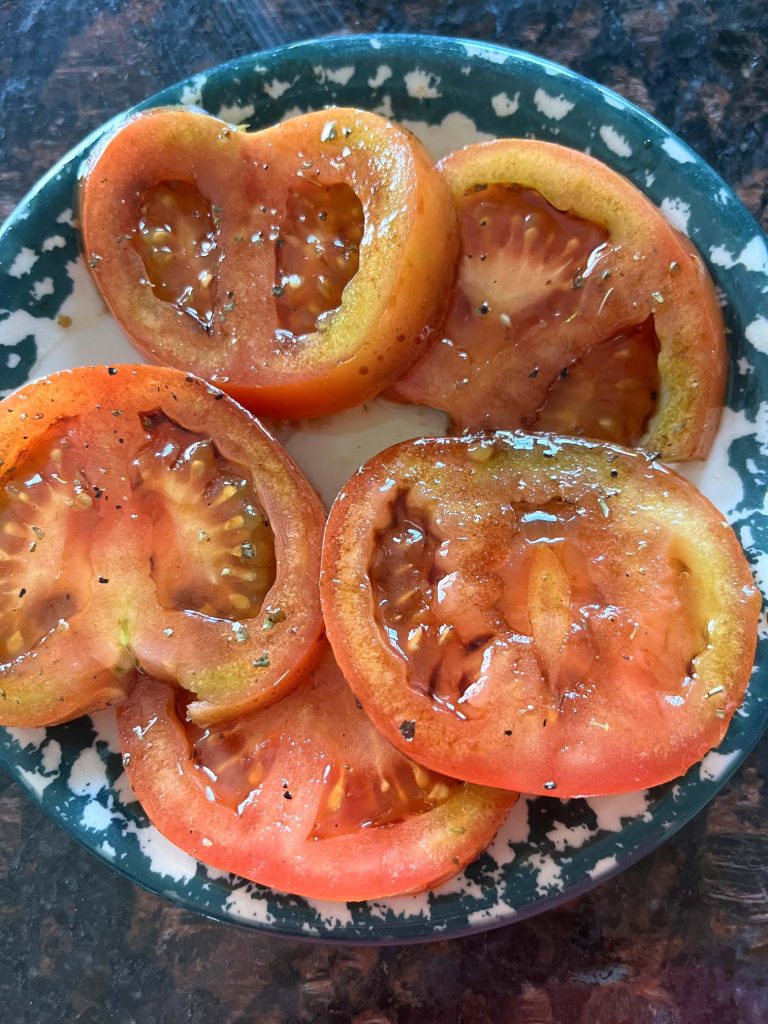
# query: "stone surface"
682,938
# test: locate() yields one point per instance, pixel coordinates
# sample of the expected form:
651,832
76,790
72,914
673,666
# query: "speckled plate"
450,93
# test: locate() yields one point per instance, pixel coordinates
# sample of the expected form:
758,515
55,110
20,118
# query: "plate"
449,92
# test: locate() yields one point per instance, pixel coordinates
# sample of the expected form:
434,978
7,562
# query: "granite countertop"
682,938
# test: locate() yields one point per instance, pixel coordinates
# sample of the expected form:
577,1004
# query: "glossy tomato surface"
545,614
304,796
577,309
147,520
301,268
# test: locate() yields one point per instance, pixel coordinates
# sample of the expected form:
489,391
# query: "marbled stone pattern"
682,938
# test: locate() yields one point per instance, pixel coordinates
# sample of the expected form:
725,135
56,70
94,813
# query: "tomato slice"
546,614
301,268
146,519
577,308
304,796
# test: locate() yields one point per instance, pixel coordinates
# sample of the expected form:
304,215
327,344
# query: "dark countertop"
682,938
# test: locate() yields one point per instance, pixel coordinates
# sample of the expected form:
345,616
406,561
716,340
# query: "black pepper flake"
97,491
22,592
534,373
654,395
322,215
408,729
277,290
261,662
564,373
287,795
480,188
550,785
358,704
614,472
111,370
507,732
483,309
102,579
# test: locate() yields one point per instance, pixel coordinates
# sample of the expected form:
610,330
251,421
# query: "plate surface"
450,93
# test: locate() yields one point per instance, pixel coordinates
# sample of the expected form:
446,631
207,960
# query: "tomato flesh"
576,308
312,267
304,796
176,239
546,613
146,520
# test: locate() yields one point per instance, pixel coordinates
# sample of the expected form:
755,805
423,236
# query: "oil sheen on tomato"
555,611
526,275
316,238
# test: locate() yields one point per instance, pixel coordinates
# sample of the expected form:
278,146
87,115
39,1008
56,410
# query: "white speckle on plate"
553,107
756,334
548,872
334,915
338,76
714,765
385,107
753,257
650,177
716,478
277,88
422,85
721,256
677,151
237,113
503,106
25,260
42,288
564,836
676,213
107,850
616,142
453,132
744,366
13,360
192,93
53,242
602,867
490,53
66,217
50,761
614,101
383,74
610,810
96,817
164,858
375,44
88,774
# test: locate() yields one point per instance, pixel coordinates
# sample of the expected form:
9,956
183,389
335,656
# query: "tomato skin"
648,269
390,307
85,663
270,841
616,723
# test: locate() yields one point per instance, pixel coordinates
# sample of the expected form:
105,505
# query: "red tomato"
305,796
577,308
544,614
146,519
301,268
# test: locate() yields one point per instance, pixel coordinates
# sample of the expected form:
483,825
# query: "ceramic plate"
450,93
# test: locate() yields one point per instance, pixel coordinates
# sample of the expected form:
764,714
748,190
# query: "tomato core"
176,239
610,392
317,253
212,547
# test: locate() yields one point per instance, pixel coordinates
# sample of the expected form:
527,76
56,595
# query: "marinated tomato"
147,520
548,615
577,308
301,268
304,796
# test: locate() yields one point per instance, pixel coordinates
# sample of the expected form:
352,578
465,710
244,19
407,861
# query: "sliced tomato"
304,796
577,308
545,614
146,519
302,268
